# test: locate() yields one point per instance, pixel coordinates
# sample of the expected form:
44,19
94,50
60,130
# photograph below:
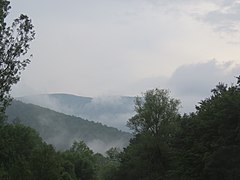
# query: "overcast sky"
125,47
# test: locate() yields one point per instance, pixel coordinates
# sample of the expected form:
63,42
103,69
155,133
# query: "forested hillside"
61,130
109,110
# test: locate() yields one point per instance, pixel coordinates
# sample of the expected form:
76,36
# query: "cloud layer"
95,48
189,83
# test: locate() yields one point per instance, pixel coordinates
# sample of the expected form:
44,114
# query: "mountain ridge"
61,130
110,110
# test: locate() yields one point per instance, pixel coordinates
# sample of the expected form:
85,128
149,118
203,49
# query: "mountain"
61,130
110,110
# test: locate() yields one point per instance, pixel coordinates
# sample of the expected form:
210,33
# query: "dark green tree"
147,156
67,170
155,109
17,143
83,160
14,45
45,163
209,140
108,166
113,154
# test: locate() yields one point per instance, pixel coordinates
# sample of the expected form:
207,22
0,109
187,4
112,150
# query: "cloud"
193,82
222,15
120,47
110,110
47,101
190,83
226,17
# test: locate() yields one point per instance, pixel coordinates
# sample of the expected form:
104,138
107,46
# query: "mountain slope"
110,110
61,130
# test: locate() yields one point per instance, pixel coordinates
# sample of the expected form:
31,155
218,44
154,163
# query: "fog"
62,139
189,83
112,111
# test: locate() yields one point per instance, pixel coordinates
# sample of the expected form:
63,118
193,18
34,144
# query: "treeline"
165,146
204,145
23,156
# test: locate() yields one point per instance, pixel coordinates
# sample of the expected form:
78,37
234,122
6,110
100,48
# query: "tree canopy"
146,157
154,109
196,146
14,45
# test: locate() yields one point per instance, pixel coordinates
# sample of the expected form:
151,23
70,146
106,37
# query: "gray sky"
125,47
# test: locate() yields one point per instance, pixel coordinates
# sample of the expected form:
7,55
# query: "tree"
83,160
147,156
108,166
154,110
17,143
238,80
45,163
209,140
14,45
68,172
113,154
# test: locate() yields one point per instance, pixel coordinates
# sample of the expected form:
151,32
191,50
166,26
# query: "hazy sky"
125,47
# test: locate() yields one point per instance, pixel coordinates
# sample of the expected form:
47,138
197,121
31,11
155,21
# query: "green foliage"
68,169
208,143
20,156
147,156
44,163
17,141
66,176
199,146
107,167
153,110
14,45
113,154
111,166
83,160
23,155
144,158
80,148
223,164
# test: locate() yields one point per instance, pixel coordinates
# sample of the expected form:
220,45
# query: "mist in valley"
112,111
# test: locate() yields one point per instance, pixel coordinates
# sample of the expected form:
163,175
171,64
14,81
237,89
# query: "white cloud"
193,83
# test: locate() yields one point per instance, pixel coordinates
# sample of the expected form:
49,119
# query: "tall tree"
14,45
153,110
83,160
17,143
45,163
147,156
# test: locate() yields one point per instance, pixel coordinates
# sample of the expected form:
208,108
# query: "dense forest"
165,145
